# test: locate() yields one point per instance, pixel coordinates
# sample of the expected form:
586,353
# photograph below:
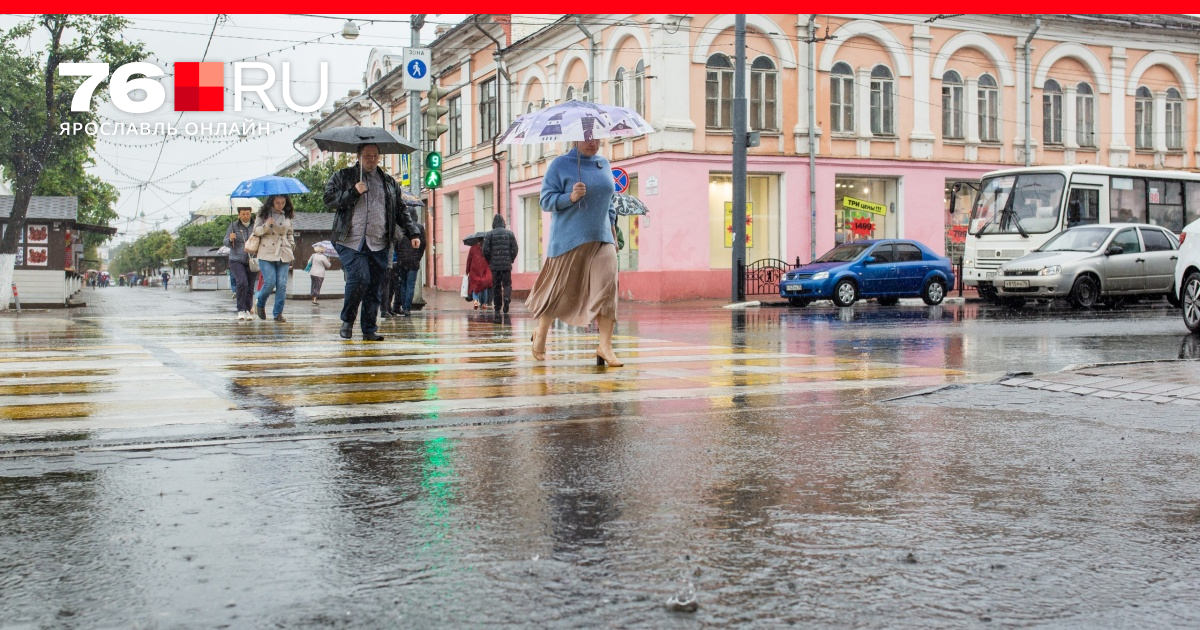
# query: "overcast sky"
171,169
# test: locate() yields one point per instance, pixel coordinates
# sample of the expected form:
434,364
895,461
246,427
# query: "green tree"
149,253
35,102
210,234
314,176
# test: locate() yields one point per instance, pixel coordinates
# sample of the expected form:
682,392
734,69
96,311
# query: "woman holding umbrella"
578,283
275,252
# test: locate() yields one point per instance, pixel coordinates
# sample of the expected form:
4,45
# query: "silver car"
1089,262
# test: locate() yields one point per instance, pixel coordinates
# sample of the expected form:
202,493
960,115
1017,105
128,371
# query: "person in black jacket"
369,209
408,268
500,250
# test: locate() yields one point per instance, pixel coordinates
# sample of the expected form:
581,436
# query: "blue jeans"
408,287
365,272
275,278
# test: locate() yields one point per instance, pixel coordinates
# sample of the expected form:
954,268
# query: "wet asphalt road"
758,459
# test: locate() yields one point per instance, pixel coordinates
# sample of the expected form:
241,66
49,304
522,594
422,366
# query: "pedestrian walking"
578,282
241,278
368,207
275,246
317,264
408,267
166,278
500,250
479,276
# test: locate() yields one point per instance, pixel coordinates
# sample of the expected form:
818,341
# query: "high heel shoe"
538,355
602,361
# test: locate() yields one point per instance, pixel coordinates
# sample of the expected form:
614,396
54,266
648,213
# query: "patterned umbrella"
628,205
268,185
573,121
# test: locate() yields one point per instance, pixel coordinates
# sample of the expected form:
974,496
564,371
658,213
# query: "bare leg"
605,349
539,337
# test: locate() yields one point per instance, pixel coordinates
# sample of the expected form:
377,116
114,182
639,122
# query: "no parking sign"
620,179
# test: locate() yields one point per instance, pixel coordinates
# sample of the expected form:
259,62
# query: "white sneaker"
243,315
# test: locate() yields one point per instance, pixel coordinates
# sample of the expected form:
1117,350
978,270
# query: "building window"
489,119
587,90
1174,121
639,88
485,207
402,129
952,106
619,88
841,98
529,147
1052,112
883,102
989,109
764,87
531,230
718,92
570,92
455,126
1085,116
1143,119
450,262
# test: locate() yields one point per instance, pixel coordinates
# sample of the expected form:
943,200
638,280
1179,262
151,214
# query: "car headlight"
1052,270
821,275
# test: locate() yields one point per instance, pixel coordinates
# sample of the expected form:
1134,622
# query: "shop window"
762,218
866,208
956,224
627,258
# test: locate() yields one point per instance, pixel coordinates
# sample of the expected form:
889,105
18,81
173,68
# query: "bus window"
1193,203
1083,207
1127,200
1166,204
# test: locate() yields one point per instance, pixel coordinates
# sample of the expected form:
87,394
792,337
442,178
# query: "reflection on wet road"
183,470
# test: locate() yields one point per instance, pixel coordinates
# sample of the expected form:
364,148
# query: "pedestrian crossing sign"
405,178
433,179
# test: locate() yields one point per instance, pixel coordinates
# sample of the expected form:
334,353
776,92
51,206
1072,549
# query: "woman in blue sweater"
578,283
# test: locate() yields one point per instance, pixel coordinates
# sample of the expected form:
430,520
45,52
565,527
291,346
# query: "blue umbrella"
269,185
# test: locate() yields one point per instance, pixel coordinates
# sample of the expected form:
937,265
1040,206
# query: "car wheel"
799,302
1190,301
888,301
845,293
1085,292
935,292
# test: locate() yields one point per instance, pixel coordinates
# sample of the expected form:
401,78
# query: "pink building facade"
903,107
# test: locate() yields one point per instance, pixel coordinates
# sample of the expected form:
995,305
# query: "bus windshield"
1018,204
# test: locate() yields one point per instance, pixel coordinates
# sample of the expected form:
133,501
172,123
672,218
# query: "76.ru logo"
199,86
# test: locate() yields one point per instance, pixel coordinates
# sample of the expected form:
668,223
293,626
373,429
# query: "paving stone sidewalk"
1174,382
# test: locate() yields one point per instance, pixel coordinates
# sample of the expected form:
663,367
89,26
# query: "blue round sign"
416,68
620,179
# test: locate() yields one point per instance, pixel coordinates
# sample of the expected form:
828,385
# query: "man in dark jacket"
408,268
368,207
500,250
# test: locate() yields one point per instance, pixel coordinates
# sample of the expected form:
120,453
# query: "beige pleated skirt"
578,286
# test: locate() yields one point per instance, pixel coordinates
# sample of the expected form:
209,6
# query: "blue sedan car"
886,270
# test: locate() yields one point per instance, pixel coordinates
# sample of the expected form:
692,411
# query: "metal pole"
415,160
1037,24
739,154
812,138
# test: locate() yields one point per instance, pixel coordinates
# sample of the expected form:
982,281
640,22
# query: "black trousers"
501,280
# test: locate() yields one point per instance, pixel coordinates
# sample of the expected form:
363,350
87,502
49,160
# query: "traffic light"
433,111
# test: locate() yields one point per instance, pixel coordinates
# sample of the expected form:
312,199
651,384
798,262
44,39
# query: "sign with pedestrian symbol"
416,69
433,179
620,179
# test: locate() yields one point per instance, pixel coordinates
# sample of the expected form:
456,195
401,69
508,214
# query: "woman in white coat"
275,252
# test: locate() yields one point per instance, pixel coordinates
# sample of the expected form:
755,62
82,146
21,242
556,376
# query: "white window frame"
883,101
718,93
1143,119
953,100
1052,113
989,109
841,98
764,95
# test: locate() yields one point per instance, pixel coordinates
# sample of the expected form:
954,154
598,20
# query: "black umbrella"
348,139
474,238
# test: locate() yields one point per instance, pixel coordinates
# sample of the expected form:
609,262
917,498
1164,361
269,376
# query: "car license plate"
1016,284
794,289
989,275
